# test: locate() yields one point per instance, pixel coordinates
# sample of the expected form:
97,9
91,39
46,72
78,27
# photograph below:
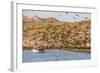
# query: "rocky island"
40,34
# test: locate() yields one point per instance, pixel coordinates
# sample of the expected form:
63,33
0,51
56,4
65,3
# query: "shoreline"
69,49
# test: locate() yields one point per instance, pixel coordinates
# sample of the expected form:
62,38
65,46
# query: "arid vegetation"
75,36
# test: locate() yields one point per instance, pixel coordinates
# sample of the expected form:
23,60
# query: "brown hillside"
66,35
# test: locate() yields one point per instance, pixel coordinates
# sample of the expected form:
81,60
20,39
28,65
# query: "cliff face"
62,35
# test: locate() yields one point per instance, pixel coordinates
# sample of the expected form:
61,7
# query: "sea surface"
54,55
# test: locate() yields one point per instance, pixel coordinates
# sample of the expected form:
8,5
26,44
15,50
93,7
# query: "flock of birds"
76,15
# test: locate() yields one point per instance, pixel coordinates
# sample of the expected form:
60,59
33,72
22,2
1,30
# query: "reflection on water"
54,55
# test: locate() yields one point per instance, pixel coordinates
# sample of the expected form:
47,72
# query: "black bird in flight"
76,14
66,12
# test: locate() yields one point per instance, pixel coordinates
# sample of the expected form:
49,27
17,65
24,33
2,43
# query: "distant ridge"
37,19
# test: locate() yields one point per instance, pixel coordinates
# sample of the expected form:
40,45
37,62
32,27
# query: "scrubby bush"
58,36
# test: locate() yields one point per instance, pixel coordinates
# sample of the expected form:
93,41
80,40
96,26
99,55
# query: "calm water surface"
54,55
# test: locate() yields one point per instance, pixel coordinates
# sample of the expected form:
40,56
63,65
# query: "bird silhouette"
76,14
66,12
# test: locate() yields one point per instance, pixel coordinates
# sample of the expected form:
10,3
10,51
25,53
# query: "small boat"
35,51
38,51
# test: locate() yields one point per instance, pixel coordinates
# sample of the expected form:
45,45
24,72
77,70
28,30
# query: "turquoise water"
54,55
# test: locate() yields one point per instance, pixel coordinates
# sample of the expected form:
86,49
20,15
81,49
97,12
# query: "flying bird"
66,12
76,14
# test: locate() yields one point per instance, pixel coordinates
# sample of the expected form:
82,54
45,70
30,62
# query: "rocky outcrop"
68,34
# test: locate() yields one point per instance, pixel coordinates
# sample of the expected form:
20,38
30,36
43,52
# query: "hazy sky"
62,16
